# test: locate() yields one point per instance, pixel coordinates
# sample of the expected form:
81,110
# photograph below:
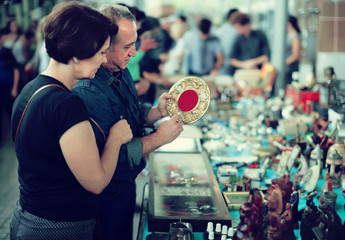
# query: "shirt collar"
107,76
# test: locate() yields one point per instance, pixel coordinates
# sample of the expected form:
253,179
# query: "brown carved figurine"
245,227
256,199
275,205
280,216
251,218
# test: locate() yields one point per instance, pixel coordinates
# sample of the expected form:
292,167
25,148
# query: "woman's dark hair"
73,29
294,22
7,28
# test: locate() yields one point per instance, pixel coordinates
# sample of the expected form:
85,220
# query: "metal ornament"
190,98
334,164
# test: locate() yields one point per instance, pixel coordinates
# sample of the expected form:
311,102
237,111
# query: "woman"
17,42
293,48
60,170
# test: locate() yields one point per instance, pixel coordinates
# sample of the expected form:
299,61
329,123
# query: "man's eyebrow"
130,44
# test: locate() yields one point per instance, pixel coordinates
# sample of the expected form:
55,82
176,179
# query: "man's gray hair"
115,13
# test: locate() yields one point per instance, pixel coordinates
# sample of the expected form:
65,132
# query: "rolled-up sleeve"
134,152
145,108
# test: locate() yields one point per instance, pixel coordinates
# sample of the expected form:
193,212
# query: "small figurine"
319,125
283,163
285,186
316,158
302,168
245,227
287,222
310,218
278,197
251,218
333,172
330,226
274,203
310,178
293,156
256,199
294,200
327,187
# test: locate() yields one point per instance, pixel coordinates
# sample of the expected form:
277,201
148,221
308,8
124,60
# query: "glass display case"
183,187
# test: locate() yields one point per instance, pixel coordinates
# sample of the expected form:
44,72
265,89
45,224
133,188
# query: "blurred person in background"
178,27
227,34
293,48
151,63
30,35
175,56
251,48
60,168
142,45
205,52
17,42
111,96
9,78
168,41
40,60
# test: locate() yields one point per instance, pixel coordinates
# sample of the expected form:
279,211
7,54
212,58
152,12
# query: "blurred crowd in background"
167,48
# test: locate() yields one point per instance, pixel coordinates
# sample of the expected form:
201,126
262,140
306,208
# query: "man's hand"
249,64
162,101
169,130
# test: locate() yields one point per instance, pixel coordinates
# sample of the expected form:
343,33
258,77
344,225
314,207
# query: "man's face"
202,35
240,29
119,54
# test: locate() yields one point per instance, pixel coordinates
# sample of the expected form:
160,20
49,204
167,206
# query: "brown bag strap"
37,91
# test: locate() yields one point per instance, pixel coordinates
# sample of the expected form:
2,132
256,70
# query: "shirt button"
121,117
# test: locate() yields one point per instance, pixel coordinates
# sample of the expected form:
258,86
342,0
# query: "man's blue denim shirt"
107,108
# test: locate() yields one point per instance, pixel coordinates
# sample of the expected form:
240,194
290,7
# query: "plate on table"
190,98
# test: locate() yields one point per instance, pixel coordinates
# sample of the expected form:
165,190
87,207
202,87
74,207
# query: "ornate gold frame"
189,83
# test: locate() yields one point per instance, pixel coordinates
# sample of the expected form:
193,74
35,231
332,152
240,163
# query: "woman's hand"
121,130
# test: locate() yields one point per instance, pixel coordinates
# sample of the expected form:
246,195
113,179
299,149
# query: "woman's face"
87,68
13,26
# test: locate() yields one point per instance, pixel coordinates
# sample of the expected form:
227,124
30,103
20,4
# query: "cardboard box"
162,11
331,28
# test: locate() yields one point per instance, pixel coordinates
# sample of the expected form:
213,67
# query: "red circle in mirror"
188,100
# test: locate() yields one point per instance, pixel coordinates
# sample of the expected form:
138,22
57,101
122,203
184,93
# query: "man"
227,34
205,53
251,47
111,96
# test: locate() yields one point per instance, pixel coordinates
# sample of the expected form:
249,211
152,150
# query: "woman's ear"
75,60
